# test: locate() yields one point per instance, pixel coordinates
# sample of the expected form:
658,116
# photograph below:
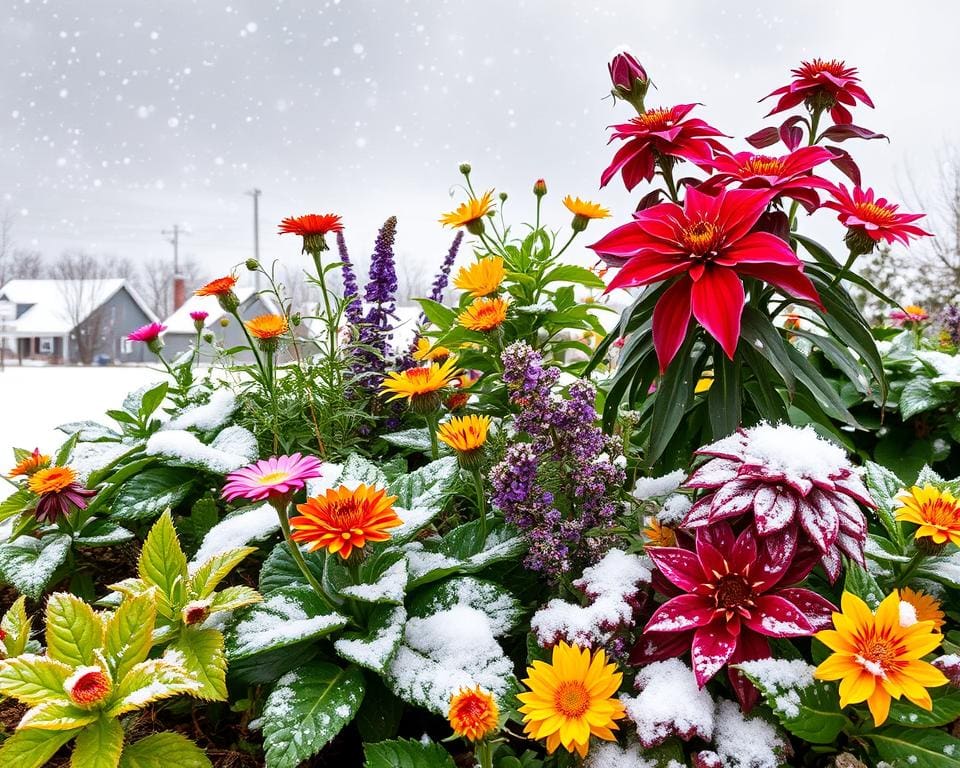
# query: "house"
73,321
181,333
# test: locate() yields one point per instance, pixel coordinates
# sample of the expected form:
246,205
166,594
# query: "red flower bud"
629,79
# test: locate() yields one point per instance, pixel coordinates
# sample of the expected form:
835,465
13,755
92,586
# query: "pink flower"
874,218
795,490
822,84
734,596
273,479
147,333
199,316
908,315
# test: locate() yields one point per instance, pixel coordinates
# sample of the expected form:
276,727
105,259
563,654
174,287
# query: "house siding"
175,344
121,315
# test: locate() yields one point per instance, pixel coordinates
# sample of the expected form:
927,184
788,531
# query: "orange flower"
421,386
484,314
583,211
936,512
267,326
312,228
427,351
219,287
659,535
51,480
342,520
926,607
481,278
470,214
30,464
473,713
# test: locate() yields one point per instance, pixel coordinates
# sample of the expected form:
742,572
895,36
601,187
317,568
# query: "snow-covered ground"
35,400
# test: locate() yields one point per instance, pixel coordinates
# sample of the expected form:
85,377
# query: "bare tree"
25,264
6,245
412,282
154,282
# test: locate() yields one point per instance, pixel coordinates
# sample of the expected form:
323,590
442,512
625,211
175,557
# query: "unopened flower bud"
465,169
224,322
196,612
539,187
425,403
253,265
929,547
858,241
87,686
208,337
475,227
295,319
228,301
503,197
629,79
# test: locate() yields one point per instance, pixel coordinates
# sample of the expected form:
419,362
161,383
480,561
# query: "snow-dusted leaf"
232,598
920,395
201,655
134,402
16,628
148,493
74,630
670,704
407,753
928,477
462,550
357,469
410,439
213,414
384,581
29,564
33,748
427,486
161,750
215,569
33,679
237,530
89,431
287,616
375,649
946,368
233,448
90,459
99,744
103,533
56,715
150,681
306,709
280,570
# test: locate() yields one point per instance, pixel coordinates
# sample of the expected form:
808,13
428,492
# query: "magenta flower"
629,79
734,596
199,317
822,84
147,333
874,218
799,490
274,479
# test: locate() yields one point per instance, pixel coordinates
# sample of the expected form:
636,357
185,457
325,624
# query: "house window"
46,345
126,346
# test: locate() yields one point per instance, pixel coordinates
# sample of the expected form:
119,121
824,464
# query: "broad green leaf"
162,562
17,502
279,569
16,628
147,682
286,616
74,630
162,750
129,633
34,679
65,450
232,598
441,316
884,487
103,533
383,579
204,659
673,397
56,715
921,395
376,648
861,583
151,400
98,745
306,709
361,470
214,570
409,439
462,550
422,494
33,749
571,273
379,715
29,564
946,709
928,747
133,402
407,753
149,493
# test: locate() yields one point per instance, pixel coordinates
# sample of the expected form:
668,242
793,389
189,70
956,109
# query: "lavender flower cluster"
950,322
354,310
559,476
380,297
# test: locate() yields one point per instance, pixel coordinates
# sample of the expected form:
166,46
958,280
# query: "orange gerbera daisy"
467,436
421,386
875,658
925,607
583,211
30,464
936,512
470,214
268,326
342,519
218,287
482,277
473,713
58,491
484,314
659,535
311,227
427,351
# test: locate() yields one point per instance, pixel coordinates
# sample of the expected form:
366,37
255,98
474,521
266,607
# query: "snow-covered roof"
181,322
49,314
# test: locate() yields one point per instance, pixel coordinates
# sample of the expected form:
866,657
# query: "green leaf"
29,564
162,562
361,470
462,550
407,753
214,570
409,439
861,583
56,715
150,492
280,570
422,494
570,273
379,715
673,397
33,748
441,316
74,630
376,648
724,397
65,450
884,487
161,750
33,679
103,533
929,748
287,616
16,628
382,579
306,709
129,633
946,709
921,395
98,745
232,598
17,502
204,659
147,682
151,400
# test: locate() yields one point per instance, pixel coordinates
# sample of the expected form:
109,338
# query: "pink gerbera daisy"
276,478
147,333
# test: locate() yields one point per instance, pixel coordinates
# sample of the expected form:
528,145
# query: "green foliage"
406,753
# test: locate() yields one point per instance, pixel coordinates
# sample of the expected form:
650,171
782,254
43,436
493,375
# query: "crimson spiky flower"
822,84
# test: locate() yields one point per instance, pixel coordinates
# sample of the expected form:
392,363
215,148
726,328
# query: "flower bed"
723,535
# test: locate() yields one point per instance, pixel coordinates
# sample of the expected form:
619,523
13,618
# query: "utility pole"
255,194
173,236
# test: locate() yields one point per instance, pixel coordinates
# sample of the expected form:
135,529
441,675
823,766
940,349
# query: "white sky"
119,119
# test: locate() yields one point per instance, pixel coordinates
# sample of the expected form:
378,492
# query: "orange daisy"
312,227
484,314
583,211
473,713
936,512
659,535
470,214
30,464
268,326
219,287
427,351
481,278
342,519
926,607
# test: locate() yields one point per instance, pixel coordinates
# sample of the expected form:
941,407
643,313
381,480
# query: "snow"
908,614
209,416
233,448
278,620
375,653
792,451
669,704
239,529
781,678
745,742
675,509
422,562
609,585
947,367
391,586
608,754
92,457
656,487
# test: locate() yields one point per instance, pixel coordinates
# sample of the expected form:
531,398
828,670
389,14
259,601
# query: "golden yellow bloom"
936,512
267,326
926,607
464,433
426,351
585,208
659,535
482,277
876,659
704,384
484,314
470,214
571,698
342,519
473,713
422,382
30,464
51,480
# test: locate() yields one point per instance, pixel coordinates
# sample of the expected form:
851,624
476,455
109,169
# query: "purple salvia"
350,289
380,296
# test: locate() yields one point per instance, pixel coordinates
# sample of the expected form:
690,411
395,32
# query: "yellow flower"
421,385
585,208
936,512
473,713
267,326
470,214
482,277
342,519
464,433
426,351
659,535
876,659
51,480
926,607
484,314
571,698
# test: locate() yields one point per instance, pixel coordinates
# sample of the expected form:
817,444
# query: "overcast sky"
118,120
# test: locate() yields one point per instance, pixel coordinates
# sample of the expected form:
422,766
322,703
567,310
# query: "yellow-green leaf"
98,745
16,628
161,750
150,681
56,716
32,749
162,562
213,571
34,679
74,630
231,598
204,660
129,633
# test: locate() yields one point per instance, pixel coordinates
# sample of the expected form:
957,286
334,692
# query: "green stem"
666,170
844,269
910,568
481,503
811,140
431,419
566,245
298,556
484,753
253,347
196,351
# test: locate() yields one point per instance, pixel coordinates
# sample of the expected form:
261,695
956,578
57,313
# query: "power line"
255,194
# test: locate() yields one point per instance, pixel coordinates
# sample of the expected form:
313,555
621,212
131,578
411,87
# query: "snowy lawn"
34,400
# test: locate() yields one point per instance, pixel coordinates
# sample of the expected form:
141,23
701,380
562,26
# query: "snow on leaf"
29,564
375,650
211,415
236,530
233,448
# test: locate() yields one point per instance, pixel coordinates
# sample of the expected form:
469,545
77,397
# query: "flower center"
942,513
876,214
572,699
877,656
732,592
655,119
345,513
89,687
701,238
835,67
473,710
273,478
51,480
762,165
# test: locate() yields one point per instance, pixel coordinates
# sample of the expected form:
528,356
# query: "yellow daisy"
583,212
421,386
470,214
427,351
481,278
936,512
484,314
